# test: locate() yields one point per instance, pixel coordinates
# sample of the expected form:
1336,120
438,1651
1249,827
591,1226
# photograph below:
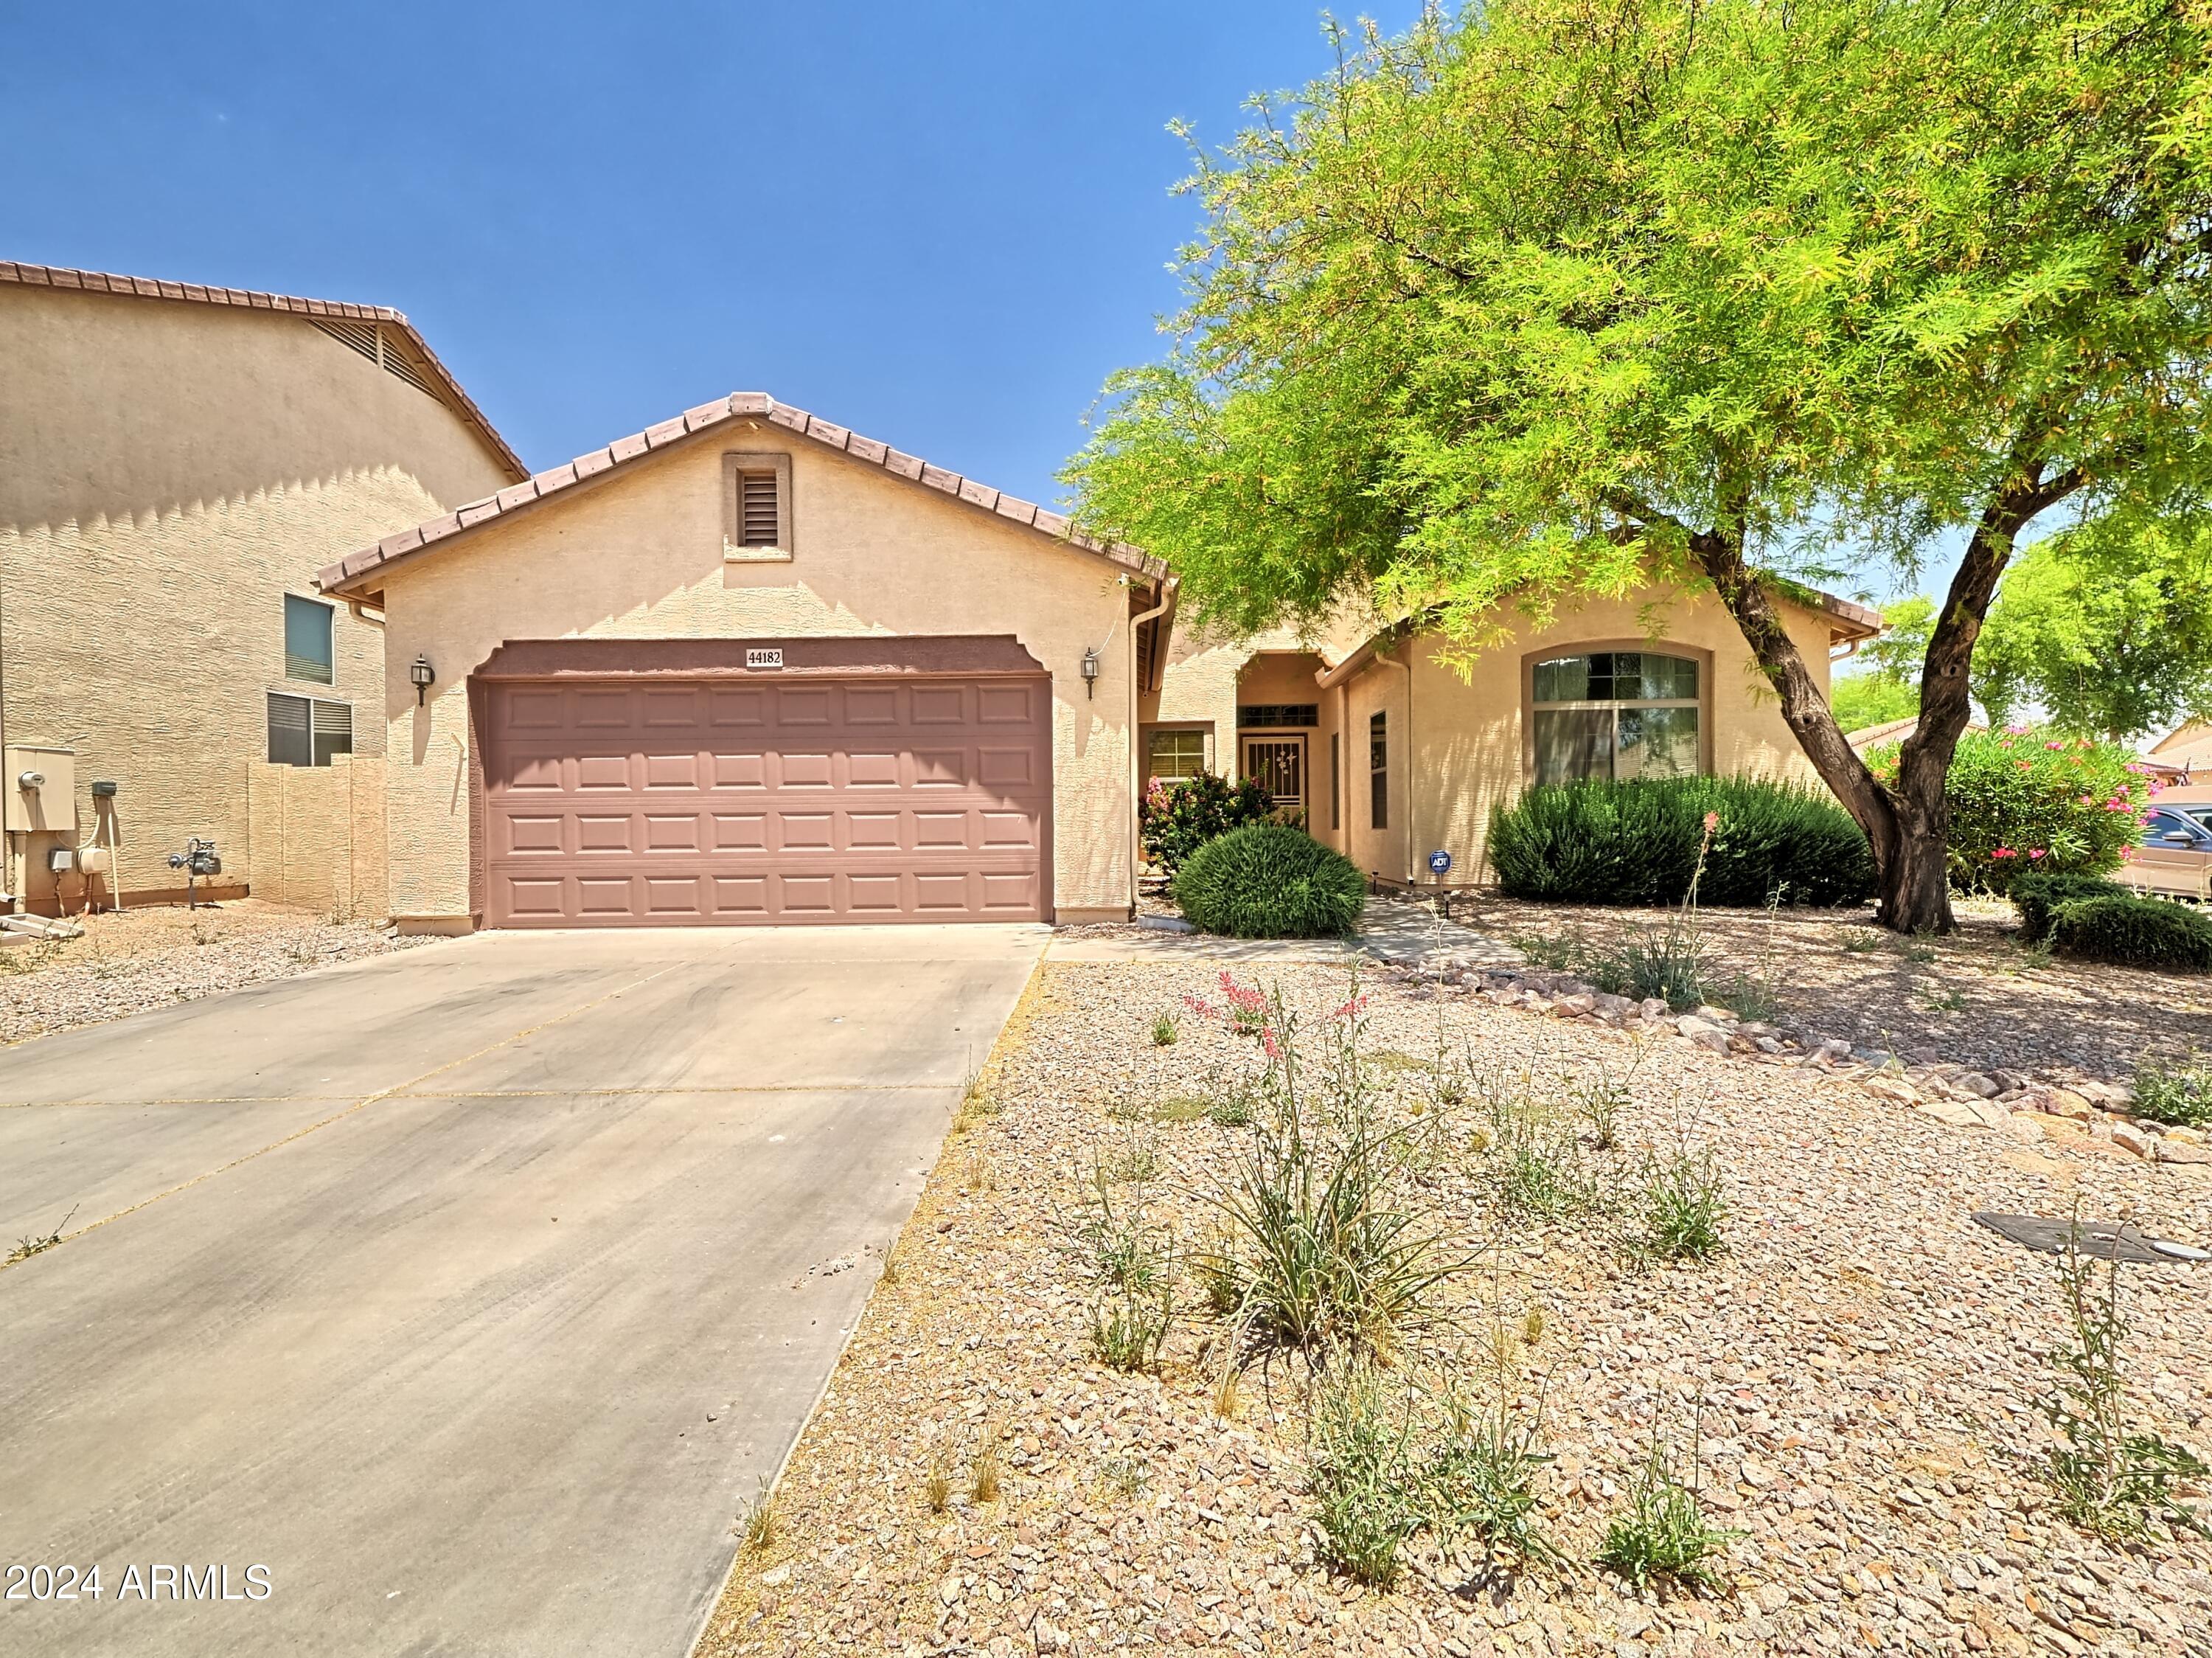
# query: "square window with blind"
1617,714
308,648
756,508
1175,755
307,730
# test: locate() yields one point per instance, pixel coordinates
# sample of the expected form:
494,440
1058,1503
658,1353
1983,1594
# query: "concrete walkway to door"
469,1290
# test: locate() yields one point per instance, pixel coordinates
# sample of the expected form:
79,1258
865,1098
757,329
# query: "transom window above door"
1615,714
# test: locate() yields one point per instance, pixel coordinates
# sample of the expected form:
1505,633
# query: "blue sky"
940,224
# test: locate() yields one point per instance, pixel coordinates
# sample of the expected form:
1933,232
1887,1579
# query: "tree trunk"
1907,824
1912,887
1898,835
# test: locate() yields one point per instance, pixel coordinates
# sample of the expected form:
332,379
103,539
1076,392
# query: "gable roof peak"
354,574
450,392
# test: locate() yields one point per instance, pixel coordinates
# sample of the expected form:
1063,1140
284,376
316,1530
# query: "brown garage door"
652,801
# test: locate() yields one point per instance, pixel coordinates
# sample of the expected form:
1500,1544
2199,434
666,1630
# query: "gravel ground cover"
150,958
1977,998
1854,1375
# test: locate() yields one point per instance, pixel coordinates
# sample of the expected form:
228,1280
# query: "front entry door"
1279,764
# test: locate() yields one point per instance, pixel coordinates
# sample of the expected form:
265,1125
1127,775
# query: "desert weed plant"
1480,1480
1129,1327
2177,1096
2108,1478
1661,1537
1110,1231
1683,1207
1536,1163
760,1525
1361,1475
1394,1456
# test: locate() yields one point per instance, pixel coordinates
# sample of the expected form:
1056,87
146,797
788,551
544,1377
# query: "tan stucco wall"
167,469
640,555
1465,735
317,835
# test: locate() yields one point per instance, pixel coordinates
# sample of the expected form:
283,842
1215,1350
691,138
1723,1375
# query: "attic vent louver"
756,513
387,349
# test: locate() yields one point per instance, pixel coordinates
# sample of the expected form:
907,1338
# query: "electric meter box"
50,807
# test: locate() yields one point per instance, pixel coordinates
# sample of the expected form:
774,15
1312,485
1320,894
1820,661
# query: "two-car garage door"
651,800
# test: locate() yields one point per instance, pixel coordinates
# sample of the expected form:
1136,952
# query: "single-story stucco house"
748,667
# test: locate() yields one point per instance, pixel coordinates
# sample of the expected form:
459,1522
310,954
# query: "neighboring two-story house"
176,462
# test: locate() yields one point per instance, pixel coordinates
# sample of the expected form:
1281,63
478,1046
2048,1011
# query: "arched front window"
1615,714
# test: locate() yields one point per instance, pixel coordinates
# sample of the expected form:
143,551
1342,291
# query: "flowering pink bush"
2024,800
1179,816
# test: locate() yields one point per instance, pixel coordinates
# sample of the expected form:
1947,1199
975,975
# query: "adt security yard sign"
1440,864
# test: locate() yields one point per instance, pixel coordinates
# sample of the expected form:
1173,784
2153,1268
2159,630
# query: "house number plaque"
763,656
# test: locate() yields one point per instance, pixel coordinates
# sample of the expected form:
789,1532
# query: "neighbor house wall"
641,555
168,470
1465,736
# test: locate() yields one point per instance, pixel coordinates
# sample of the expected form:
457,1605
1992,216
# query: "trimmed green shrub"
2134,932
2027,799
1599,842
1270,881
2039,891
1180,815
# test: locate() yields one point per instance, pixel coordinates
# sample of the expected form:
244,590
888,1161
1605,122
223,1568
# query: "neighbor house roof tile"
102,282
358,572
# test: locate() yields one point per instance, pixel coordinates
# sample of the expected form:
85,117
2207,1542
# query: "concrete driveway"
469,1291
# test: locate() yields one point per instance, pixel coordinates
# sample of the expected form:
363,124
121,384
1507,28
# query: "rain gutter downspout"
1167,593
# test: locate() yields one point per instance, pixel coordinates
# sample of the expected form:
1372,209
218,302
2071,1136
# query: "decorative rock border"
2093,1115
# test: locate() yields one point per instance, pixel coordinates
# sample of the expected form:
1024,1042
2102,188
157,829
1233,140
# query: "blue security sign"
1440,864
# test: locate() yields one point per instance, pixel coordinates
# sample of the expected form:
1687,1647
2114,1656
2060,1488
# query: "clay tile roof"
101,282
358,573
1857,621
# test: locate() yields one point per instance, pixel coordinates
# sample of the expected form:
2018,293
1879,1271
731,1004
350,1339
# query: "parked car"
2175,857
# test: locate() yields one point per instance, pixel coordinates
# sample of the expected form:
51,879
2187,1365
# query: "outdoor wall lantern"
422,674
1091,673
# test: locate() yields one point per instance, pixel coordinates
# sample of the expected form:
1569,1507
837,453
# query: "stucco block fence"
318,836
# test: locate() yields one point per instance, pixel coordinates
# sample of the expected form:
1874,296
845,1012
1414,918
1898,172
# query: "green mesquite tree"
1559,297
2108,627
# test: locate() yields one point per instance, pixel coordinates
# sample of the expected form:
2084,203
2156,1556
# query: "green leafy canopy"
1522,304
2108,627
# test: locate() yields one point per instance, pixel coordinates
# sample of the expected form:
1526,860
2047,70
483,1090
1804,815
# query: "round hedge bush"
1270,881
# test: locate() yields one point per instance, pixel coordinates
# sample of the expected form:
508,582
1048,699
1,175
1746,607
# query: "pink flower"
1268,1041
2014,730
2004,852
1712,821
2036,851
2054,744
2024,766
1351,1009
